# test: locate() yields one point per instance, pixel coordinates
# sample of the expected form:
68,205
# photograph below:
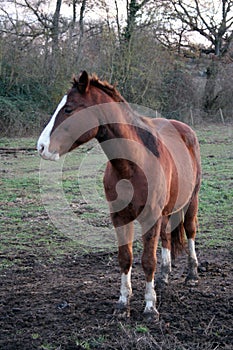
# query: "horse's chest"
126,195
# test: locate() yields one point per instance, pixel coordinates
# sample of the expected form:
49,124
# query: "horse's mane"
104,86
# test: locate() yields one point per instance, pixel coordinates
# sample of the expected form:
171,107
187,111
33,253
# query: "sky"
97,12
49,7
66,11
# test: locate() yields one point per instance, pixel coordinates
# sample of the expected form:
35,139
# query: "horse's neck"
115,137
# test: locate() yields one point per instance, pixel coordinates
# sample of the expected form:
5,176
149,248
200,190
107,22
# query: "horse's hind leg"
190,225
125,258
165,236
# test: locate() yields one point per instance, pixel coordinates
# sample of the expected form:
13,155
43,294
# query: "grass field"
25,224
46,239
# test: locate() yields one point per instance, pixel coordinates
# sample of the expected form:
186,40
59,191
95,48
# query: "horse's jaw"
52,157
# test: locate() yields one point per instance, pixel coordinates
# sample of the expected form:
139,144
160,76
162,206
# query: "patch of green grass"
92,343
142,329
215,219
18,142
47,346
35,336
26,225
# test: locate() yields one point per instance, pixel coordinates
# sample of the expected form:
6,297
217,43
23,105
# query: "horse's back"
167,126
170,129
182,145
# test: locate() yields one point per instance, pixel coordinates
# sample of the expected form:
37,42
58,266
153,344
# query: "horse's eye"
68,110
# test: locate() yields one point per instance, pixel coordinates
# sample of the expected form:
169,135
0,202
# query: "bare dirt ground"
69,304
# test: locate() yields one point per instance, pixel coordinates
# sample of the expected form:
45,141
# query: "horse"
153,176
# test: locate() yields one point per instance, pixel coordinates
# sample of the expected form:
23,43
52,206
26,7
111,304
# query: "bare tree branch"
41,18
217,33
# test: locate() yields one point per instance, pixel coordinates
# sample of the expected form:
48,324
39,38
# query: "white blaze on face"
44,139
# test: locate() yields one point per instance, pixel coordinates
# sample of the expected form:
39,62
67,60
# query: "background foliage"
148,48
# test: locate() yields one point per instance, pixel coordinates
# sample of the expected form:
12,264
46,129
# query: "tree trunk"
55,40
55,26
81,30
210,93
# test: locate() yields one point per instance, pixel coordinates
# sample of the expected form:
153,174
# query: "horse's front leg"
125,258
149,260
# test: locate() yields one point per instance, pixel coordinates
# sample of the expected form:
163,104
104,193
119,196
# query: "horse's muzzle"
46,154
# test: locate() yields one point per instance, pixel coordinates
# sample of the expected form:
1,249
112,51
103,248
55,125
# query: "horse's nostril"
41,148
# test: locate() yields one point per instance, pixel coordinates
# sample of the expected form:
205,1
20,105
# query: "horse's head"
71,125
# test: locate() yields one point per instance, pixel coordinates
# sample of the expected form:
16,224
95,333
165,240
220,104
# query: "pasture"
58,287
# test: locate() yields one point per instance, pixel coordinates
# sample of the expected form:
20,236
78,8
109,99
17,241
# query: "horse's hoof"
122,311
161,283
151,315
191,281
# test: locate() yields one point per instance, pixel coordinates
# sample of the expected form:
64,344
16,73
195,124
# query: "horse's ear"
83,82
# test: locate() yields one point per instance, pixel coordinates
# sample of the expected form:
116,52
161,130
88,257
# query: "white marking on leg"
126,289
191,246
192,263
166,264
44,139
150,297
166,258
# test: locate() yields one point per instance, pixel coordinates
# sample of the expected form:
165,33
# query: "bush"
178,94
18,121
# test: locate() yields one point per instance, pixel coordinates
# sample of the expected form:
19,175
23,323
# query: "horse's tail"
178,241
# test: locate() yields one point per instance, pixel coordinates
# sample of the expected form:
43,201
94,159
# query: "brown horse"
152,176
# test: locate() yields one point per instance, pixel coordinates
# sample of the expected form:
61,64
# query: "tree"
129,31
133,7
55,25
134,11
212,20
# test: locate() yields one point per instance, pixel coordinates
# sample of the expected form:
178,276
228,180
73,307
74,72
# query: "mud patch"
68,304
